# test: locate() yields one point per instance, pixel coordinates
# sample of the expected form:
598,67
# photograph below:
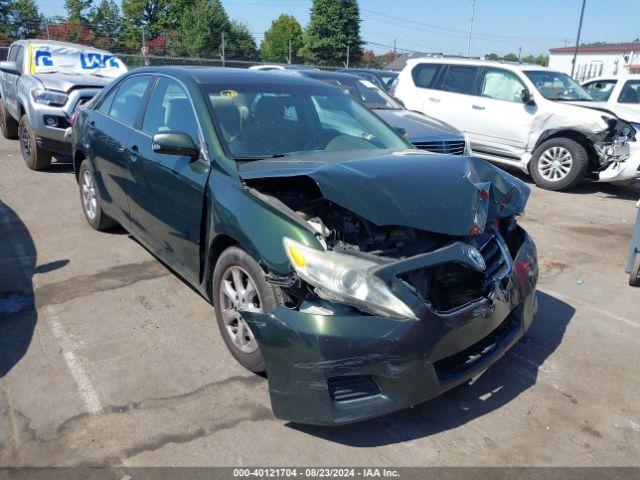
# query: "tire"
8,124
90,199
34,156
266,298
559,164
634,274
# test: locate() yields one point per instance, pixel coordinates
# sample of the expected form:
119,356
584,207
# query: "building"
595,60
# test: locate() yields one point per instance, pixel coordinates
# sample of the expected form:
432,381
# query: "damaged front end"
421,279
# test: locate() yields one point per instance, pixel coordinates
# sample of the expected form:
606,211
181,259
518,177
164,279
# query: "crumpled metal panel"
435,193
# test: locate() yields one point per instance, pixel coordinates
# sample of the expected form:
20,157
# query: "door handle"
478,107
433,99
134,153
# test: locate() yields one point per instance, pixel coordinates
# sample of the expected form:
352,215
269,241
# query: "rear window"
425,74
460,79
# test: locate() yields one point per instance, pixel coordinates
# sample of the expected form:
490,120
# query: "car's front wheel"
91,205
559,164
239,286
8,125
634,274
35,157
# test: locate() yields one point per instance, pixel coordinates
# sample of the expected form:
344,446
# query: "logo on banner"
43,58
89,61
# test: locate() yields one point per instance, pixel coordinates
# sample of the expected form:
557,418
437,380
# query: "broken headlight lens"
345,279
49,97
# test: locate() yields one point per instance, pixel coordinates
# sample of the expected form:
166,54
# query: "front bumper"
623,172
401,362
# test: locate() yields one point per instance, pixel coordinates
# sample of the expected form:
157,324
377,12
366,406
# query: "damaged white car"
525,116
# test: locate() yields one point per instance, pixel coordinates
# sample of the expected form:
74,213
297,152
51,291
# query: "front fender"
255,225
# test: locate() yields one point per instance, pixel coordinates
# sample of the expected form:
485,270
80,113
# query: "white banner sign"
52,58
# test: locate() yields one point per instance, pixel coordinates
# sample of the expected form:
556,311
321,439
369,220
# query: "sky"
500,26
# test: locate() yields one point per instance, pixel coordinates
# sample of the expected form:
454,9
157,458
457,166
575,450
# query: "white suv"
524,116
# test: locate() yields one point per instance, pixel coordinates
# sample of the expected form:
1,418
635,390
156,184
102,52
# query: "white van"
525,116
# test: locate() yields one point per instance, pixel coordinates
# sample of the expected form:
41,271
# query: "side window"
601,89
501,85
20,57
630,92
460,79
105,106
169,108
128,99
12,53
425,74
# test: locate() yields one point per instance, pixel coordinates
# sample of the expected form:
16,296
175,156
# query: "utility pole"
347,62
222,49
473,11
575,52
289,57
520,53
395,48
46,24
144,49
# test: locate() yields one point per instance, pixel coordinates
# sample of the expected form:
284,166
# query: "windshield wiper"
253,159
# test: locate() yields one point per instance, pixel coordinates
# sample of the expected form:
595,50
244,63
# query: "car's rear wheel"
35,157
8,125
559,164
239,285
91,205
634,274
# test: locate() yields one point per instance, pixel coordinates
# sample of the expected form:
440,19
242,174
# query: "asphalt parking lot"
107,358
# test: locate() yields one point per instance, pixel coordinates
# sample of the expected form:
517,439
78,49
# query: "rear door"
109,129
455,94
167,191
497,121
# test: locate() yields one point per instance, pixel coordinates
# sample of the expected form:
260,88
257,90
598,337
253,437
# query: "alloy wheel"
89,200
555,163
25,143
238,293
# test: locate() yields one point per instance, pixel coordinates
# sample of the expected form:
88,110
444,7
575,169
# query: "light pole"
473,11
575,52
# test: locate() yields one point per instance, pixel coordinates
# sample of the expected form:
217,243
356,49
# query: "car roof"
624,76
44,41
320,75
476,62
216,75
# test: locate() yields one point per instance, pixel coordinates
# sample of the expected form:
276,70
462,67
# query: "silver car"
42,83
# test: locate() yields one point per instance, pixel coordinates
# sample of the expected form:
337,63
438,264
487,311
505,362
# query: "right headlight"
49,97
345,279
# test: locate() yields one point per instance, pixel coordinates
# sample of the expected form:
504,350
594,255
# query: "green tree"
510,57
199,33
492,56
106,20
275,46
242,45
150,17
77,10
24,19
334,25
4,15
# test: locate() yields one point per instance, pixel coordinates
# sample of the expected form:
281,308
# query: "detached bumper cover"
405,361
626,171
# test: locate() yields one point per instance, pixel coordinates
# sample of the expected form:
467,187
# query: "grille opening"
465,360
447,286
344,389
452,147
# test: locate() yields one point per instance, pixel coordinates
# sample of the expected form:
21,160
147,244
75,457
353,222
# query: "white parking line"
85,387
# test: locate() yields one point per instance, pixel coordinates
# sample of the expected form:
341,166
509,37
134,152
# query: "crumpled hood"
64,83
419,127
435,193
628,113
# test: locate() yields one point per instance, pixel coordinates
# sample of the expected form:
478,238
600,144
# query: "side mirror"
9,67
401,131
526,97
175,143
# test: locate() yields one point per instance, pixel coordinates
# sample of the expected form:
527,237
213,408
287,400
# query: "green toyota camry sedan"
362,275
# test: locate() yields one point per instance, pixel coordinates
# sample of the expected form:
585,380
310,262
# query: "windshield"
601,90
557,86
51,58
369,94
262,121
